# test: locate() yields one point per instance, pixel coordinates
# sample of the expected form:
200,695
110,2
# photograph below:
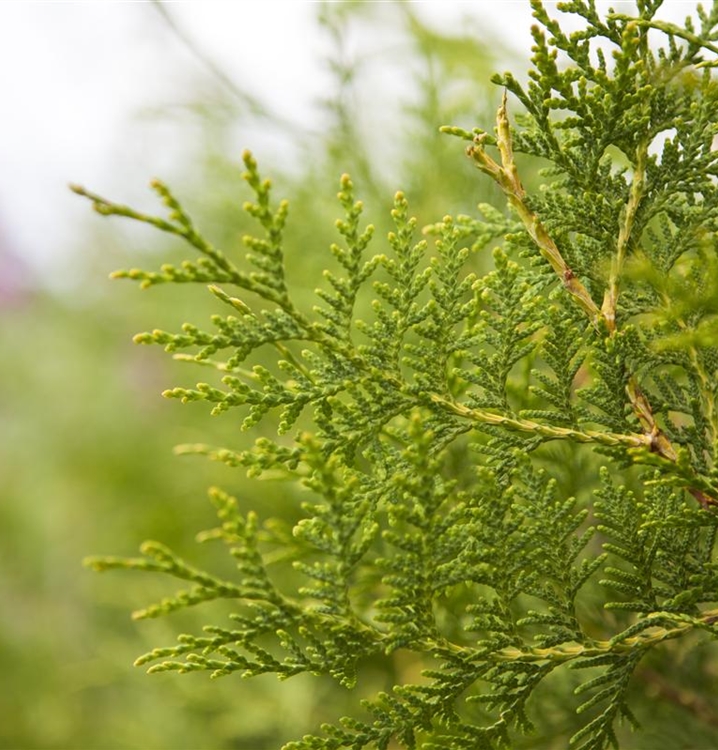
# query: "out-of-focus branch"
660,687
249,103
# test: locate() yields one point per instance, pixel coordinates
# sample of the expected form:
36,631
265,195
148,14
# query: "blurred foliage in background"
86,439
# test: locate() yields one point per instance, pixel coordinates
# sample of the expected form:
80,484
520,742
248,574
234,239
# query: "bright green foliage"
419,406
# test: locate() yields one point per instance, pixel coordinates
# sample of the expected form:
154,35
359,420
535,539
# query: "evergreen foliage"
435,417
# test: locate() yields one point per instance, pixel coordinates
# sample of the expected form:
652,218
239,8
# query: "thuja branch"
653,438
638,183
408,366
506,176
214,266
653,629
180,225
695,41
547,431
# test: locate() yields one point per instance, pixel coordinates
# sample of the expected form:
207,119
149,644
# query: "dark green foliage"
418,401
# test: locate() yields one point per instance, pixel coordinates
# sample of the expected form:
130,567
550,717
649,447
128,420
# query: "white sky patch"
75,76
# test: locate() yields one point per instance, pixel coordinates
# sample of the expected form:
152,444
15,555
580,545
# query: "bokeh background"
111,94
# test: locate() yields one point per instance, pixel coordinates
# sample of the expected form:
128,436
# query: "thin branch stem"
565,652
506,176
610,300
248,102
551,432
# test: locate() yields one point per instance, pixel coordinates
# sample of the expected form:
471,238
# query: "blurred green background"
86,463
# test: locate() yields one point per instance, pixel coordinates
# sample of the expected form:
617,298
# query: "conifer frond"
416,402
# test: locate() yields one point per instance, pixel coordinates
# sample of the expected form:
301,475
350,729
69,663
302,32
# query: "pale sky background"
75,78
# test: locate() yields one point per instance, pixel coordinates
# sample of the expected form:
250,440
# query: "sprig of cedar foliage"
432,527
